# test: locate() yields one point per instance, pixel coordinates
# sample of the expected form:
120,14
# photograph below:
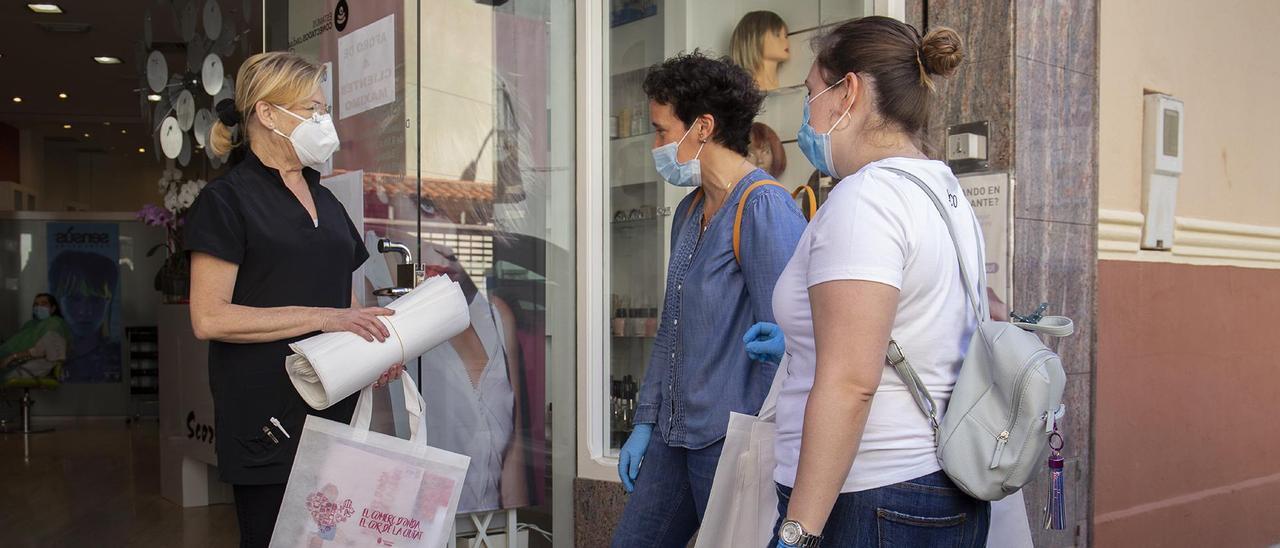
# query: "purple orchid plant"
178,195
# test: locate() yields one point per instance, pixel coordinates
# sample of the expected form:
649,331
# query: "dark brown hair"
898,60
694,84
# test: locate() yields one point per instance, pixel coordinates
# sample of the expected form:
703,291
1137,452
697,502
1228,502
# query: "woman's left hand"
391,374
765,342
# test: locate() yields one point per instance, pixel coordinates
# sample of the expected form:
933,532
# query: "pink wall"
1187,416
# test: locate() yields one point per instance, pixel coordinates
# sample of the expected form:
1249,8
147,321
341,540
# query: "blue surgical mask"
41,312
817,146
688,174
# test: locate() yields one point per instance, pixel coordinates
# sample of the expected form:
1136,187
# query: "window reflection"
768,37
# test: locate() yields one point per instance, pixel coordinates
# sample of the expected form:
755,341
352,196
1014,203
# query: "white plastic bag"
327,368
1010,526
743,506
353,487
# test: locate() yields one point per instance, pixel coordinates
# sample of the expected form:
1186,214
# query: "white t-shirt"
879,226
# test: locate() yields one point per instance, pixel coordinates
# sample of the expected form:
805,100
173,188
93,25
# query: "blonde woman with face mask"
272,252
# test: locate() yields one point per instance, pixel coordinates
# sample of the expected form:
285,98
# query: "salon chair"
27,383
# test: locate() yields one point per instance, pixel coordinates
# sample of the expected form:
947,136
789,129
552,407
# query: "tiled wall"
597,507
1031,71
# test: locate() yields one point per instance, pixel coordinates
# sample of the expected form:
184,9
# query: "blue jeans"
671,495
926,511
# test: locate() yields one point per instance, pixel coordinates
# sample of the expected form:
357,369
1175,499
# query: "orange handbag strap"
813,200
737,219
742,205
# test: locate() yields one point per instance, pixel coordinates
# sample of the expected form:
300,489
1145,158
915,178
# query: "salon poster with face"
85,279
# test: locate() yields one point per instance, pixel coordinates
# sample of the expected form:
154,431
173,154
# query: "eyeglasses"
319,108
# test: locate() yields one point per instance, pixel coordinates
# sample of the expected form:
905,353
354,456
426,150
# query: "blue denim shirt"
699,370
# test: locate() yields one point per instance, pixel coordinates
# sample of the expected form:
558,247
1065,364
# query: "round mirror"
184,155
187,20
171,138
157,71
211,74
185,109
204,122
212,19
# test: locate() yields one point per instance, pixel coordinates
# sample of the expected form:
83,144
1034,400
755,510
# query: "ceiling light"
86,136
17,99
66,126
122,132
106,123
154,98
44,8
62,96
140,149
107,60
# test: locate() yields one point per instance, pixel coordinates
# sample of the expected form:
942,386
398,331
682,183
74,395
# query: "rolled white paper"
328,367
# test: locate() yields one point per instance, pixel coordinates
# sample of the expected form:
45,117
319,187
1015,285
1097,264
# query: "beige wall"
457,90
99,181
120,180
1216,57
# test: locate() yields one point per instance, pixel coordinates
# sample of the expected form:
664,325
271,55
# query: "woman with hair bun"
856,462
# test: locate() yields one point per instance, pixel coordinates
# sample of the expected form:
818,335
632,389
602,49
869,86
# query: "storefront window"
639,204
457,125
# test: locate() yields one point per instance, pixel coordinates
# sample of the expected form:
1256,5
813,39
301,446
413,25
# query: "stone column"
1031,71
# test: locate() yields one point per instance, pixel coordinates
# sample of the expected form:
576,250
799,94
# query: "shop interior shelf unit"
144,371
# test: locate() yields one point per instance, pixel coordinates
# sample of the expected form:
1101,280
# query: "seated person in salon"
38,345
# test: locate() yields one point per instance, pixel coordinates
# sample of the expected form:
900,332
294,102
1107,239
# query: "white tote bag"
353,487
743,507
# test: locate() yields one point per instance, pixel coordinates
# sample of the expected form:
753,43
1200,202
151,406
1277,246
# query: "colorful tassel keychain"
1055,511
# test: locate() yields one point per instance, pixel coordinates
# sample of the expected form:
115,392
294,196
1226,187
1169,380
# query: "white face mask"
314,140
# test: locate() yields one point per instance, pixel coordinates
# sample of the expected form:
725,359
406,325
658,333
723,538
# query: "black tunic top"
249,217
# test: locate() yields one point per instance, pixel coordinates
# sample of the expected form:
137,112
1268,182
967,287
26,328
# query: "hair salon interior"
1119,153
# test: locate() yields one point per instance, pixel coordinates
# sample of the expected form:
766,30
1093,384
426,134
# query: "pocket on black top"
259,441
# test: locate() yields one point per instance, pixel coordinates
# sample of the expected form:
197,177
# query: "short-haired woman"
702,110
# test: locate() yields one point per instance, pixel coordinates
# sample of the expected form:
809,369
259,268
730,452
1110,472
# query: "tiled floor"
96,483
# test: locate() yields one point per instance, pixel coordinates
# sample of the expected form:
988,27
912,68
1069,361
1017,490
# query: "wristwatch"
793,534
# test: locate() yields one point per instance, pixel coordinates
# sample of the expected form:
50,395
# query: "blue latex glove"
631,454
765,342
784,545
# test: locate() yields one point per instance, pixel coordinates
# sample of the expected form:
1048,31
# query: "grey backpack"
1007,398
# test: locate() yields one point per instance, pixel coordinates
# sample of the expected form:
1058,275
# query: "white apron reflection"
471,397
469,408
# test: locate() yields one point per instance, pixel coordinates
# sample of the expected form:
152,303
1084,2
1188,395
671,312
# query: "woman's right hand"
361,321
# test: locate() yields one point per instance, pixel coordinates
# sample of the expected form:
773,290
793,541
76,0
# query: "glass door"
638,204
457,120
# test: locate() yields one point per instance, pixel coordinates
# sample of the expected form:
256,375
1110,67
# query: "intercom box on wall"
1162,152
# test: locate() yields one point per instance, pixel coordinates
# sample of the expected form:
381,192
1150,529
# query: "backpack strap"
894,356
